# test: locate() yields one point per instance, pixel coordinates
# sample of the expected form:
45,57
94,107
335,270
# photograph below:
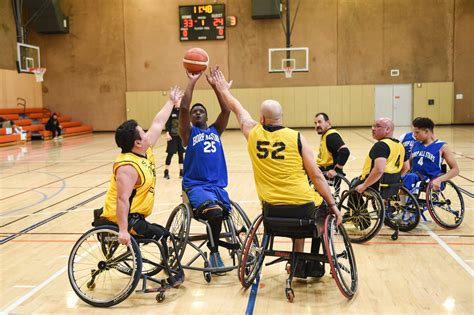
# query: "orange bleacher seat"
23,122
69,124
9,140
37,127
77,130
10,116
19,110
38,115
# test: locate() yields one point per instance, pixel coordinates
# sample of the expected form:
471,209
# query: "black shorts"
145,229
175,145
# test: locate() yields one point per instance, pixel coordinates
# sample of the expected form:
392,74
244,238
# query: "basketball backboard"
295,58
28,56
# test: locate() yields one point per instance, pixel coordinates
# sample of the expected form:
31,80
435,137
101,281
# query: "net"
288,71
39,72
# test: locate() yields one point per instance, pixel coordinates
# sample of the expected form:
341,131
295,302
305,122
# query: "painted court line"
25,297
448,249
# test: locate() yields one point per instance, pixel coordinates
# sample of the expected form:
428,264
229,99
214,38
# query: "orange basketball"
195,60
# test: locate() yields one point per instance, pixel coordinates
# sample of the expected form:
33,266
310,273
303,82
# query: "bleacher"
33,121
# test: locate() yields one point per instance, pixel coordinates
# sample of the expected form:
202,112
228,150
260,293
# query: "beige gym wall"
7,36
14,85
115,46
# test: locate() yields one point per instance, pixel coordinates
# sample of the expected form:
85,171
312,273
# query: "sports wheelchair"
337,250
338,185
392,204
446,205
236,224
103,273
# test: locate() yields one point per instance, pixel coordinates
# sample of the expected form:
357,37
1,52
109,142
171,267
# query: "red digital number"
221,32
218,21
185,33
188,23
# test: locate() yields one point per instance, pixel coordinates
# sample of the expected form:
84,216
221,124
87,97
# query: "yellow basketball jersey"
325,157
278,167
394,161
143,195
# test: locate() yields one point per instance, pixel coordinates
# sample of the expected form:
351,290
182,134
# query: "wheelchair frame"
105,255
256,250
232,233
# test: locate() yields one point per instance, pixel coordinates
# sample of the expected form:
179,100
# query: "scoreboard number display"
202,22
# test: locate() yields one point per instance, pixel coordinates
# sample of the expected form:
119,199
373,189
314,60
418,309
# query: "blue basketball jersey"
427,160
408,140
204,162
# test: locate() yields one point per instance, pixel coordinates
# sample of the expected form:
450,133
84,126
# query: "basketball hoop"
288,71
39,72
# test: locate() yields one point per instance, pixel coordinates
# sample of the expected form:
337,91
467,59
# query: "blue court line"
45,197
57,215
253,296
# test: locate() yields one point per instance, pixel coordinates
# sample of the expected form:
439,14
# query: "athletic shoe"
166,175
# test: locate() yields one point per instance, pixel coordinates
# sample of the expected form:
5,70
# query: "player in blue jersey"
205,170
427,157
408,140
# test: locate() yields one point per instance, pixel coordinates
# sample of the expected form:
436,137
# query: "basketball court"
49,189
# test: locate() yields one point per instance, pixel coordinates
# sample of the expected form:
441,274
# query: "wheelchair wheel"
446,206
178,224
241,224
338,184
402,211
341,257
362,214
101,271
253,254
152,259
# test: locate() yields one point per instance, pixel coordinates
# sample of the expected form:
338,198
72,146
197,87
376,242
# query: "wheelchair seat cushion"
295,221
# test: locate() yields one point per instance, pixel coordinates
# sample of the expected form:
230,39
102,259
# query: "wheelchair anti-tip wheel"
446,206
101,271
362,214
341,257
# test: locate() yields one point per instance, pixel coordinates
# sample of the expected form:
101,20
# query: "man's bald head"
271,112
383,128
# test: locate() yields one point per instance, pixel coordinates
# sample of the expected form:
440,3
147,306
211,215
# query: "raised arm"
222,88
160,119
317,178
448,155
184,117
223,118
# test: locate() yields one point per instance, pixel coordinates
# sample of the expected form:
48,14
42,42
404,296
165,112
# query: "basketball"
195,60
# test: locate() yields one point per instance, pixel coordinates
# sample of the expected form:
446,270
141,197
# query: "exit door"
394,102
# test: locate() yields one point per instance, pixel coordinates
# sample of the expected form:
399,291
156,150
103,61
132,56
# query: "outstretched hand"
176,94
217,80
193,77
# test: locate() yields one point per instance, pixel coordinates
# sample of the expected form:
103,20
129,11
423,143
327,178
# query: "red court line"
375,243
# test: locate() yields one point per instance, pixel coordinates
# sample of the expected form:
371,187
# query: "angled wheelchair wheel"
178,224
362,214
253,254
402,211
152,258
341,257
101,271
446,206
240,226
339,184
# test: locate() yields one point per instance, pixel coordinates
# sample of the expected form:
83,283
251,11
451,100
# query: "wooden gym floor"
48,191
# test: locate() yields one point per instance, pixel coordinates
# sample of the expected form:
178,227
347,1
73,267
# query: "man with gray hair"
281,160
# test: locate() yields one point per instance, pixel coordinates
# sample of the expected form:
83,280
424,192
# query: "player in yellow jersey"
131,193
281,159
333,152
386,157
